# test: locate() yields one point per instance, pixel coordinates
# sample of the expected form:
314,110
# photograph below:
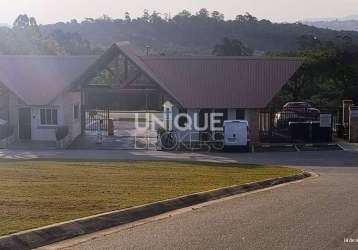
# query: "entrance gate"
131,129
96,119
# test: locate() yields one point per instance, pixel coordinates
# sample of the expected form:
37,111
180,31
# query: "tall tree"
21,22
329,74
26,38
204,13
217,16
127,17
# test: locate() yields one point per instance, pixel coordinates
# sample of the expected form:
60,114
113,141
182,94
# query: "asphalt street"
317,213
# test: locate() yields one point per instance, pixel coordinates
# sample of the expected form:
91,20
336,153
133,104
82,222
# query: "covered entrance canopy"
116,89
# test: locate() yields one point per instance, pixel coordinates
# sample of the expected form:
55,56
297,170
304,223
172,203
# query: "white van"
236,134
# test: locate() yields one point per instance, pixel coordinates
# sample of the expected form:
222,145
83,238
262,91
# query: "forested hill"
199,33
336,24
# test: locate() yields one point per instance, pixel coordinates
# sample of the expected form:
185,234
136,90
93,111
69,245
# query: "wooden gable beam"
127,83
97,67
125,68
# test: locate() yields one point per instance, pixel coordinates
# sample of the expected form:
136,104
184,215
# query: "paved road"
323,158
318,213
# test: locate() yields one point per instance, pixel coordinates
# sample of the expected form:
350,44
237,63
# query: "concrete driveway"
317,213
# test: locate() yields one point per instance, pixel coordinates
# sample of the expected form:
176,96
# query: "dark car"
296,111
301,108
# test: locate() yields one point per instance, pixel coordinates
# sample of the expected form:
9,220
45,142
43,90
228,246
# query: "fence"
297,126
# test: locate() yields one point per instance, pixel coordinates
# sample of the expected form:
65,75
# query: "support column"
346,109
353,124
252,116
125,68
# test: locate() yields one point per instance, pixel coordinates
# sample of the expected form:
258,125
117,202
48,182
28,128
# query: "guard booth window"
240,114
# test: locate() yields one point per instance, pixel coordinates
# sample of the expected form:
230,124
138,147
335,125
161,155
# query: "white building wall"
41,132
70,100
14,113
65,111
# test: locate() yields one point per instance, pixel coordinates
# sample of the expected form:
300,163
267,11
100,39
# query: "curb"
54,233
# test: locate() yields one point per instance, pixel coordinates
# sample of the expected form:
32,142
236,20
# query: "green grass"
39,193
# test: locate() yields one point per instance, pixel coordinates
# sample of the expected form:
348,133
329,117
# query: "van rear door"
236,133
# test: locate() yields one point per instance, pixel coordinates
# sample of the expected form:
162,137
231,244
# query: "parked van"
236,135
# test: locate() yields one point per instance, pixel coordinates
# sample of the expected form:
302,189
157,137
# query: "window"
48,116
240,114
76,111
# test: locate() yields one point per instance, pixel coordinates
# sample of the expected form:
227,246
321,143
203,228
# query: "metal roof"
193,82
38,80
223,82
217,82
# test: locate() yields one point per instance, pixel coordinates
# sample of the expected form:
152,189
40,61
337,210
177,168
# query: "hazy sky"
49,11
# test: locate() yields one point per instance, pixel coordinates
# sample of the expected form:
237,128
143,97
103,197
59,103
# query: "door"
25,123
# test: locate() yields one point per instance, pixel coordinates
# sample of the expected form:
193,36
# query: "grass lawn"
39,193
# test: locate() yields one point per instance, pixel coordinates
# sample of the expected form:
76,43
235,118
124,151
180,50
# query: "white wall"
64,105
14,113
70,100
65,111
46,132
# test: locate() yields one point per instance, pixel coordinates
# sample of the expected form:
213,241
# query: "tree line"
25,37
193,33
